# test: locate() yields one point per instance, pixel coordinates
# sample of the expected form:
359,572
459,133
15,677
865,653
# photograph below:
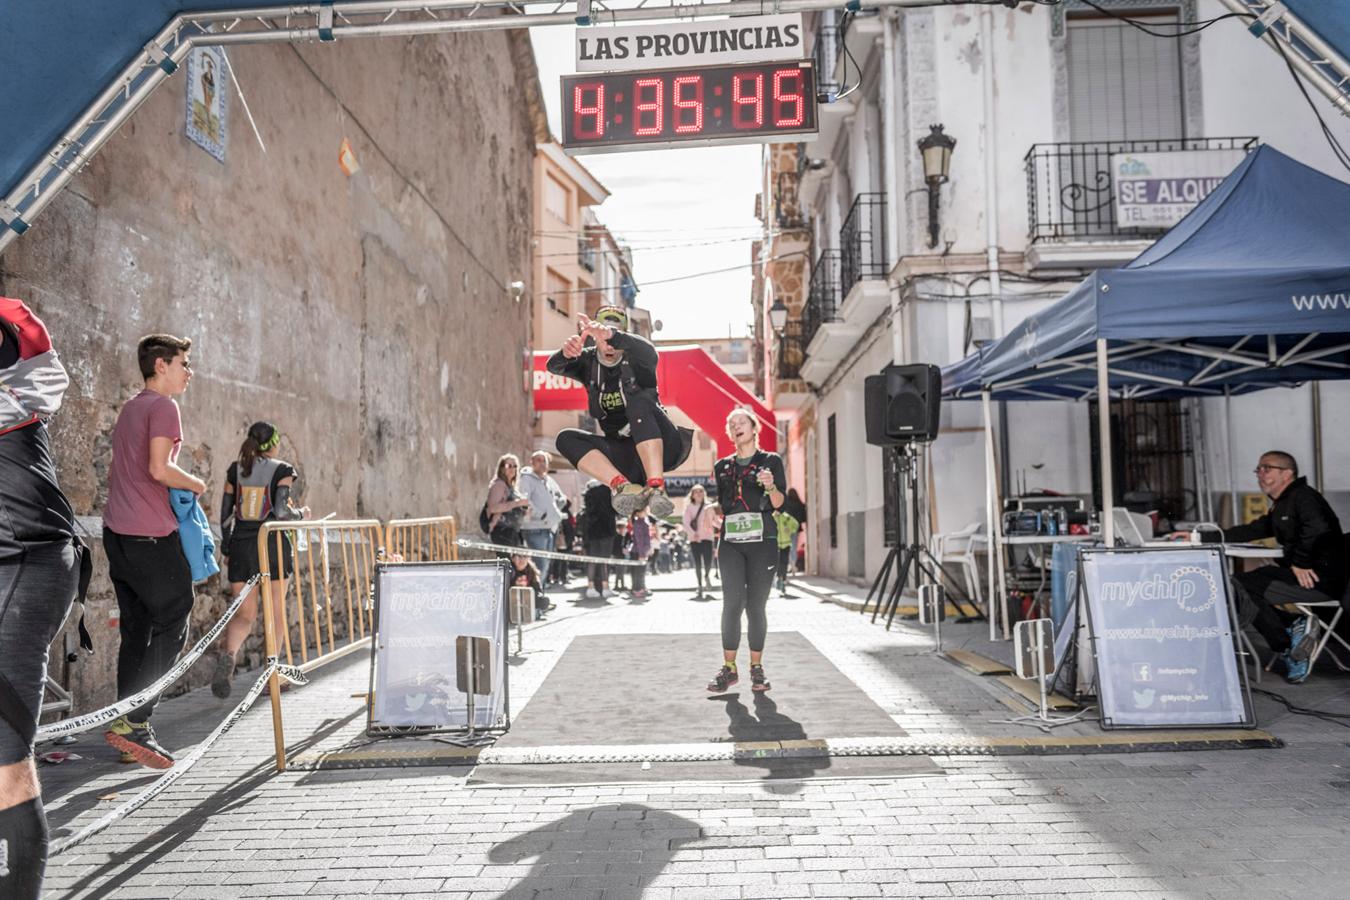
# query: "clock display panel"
716,104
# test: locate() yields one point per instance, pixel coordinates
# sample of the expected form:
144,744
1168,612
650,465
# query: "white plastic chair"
958,548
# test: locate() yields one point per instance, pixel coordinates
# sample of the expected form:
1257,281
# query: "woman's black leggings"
702,553
747,577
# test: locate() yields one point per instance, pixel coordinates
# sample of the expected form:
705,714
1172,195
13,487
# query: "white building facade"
1038,100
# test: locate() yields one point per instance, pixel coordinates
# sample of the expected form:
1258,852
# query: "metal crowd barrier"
333,564
422,540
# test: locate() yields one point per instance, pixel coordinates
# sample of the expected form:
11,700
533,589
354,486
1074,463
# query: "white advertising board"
1157,190
440,646
747,39
1163,638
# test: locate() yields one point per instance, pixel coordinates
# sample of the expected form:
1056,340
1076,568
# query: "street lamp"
778,314
936,149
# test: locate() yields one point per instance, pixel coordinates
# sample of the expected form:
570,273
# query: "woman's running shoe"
725,678
758,683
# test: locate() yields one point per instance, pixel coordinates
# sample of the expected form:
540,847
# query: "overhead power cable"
645,284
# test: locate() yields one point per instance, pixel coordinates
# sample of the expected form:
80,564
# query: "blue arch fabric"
1265,257
57,56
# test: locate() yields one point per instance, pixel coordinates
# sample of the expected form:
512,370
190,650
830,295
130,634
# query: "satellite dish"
657,325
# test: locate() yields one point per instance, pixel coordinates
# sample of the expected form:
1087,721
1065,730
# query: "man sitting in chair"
1314,567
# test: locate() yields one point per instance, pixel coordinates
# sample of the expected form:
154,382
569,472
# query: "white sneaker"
606,592
592,594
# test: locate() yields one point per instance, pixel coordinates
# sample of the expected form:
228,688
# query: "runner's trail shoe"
758,683
660,504
629,498
139,741
725,678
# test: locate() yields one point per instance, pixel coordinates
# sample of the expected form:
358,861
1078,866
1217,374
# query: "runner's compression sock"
730,664
23,850
658,483
617,482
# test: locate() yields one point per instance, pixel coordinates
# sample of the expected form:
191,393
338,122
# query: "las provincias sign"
748,39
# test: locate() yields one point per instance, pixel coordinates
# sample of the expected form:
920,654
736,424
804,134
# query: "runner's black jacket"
639,359
1308,531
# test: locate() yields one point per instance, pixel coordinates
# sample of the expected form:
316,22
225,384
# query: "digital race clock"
710,105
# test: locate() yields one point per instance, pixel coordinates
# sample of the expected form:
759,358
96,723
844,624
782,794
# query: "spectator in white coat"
540,527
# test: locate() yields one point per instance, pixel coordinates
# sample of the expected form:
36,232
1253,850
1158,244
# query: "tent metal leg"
990,513
1104,432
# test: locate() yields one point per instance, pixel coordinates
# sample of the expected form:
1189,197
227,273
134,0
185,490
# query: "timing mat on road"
625,691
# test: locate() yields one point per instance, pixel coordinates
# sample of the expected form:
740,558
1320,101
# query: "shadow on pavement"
163,841
767,723
627,842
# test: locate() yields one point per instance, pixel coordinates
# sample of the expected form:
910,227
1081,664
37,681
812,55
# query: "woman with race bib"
750,485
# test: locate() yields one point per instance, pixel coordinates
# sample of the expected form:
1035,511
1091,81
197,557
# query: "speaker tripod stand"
901,558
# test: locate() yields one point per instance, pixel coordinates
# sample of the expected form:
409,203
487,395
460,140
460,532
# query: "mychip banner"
440,646
1162,636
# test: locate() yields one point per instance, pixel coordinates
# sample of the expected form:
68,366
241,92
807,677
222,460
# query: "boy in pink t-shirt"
149,572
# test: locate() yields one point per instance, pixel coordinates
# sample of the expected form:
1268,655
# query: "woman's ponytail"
262,436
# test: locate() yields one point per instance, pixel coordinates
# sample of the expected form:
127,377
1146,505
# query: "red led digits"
653,106
754,116
581,111
783,99
688,104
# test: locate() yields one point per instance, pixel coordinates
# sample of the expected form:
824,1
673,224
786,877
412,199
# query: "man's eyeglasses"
1265,468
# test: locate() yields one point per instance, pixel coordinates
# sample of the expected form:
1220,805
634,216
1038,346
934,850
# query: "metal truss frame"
1315,59
328,21
1249,354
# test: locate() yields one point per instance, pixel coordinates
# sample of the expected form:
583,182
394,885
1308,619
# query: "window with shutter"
1124,84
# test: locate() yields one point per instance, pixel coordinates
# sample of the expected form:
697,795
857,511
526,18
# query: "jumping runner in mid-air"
639,443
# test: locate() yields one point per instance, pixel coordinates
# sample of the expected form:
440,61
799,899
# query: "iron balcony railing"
1071,192
822,298
792,349
586,254
863,241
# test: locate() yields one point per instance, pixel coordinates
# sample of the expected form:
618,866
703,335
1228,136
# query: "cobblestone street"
1269,822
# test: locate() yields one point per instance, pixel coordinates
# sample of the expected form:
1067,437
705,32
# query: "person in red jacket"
40,560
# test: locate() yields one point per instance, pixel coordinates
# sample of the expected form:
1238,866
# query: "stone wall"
368,316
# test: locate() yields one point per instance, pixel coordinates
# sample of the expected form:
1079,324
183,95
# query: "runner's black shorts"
37,589
243,557
573,444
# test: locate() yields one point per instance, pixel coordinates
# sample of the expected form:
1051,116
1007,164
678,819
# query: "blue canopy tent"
1251,290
